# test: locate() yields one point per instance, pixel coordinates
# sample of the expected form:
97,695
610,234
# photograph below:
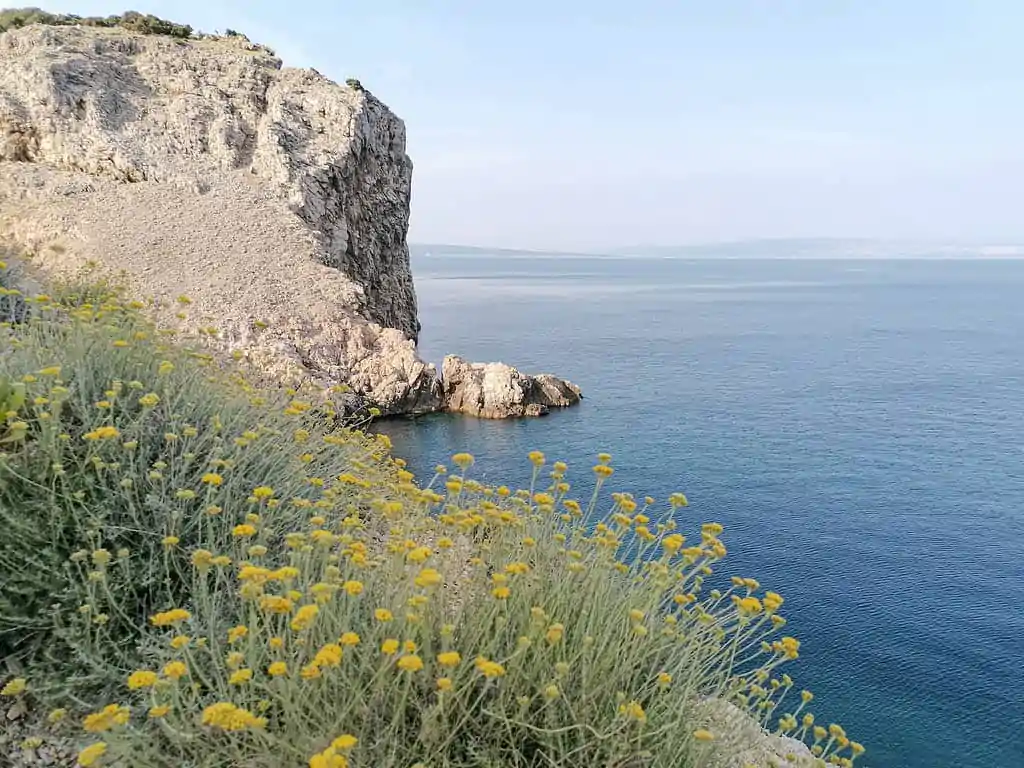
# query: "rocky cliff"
276,200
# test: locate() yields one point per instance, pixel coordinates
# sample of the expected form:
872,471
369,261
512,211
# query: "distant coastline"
768,248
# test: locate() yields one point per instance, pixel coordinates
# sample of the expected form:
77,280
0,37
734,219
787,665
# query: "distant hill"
425,249
825,248
769,248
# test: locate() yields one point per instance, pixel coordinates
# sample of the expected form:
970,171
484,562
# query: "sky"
590,124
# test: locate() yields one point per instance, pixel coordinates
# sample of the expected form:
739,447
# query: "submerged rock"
499,391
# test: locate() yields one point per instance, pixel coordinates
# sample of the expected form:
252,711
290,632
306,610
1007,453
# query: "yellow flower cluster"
325,585
228,717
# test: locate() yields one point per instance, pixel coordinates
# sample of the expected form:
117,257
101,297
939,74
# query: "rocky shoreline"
274,200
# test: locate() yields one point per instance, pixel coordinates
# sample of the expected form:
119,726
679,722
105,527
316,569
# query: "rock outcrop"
499,391
276,200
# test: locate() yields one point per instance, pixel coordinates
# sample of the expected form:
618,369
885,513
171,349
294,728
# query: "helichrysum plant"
231,580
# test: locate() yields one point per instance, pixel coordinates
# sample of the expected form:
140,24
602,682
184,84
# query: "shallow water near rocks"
857,426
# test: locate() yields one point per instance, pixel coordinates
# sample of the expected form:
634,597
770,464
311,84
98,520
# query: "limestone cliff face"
276,199
152,108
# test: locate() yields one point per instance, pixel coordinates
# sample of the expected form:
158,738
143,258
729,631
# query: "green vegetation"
202,574
147,24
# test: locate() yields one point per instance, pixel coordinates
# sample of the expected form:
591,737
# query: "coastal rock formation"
499,391
276,200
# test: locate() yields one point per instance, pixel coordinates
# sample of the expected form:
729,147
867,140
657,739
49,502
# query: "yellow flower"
636,615
449,659
53,370
170,541
410,663
552,692
310,672
353,588
349,638
212,478
536,458
277,669
243,530
678,500
106,718
169,618
202,558
383,614
149,400
88,756
463,460
418,554
328,656
389,647
14,687
603,470
142,678
159,711
345,742
444,683
489,668
501,593
703,734
229,717
788,647
263,492
166,366
673,543
240,676
175,670
633,711
772,601
276,604
102,433
286,573
304,617
56,715
749,605
664,678
554,633
428,577
234,660
237,633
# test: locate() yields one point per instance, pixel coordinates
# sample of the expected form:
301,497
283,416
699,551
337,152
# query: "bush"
13,308
122,445
146,24
262,593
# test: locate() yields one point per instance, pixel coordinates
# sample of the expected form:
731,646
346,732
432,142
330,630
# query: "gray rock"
499,391
274,198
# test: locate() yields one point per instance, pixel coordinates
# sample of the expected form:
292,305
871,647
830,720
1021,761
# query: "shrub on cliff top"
268,596
122,455
147,24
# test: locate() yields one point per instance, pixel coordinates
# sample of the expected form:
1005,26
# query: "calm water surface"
857,426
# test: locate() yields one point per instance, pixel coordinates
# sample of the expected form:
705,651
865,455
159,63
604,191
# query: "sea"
857,425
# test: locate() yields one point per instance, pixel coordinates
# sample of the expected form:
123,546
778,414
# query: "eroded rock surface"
275,199
499,391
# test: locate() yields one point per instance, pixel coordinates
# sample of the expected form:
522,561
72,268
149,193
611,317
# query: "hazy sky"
590,123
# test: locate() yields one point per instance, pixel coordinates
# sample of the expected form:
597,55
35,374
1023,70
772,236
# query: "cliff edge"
274,199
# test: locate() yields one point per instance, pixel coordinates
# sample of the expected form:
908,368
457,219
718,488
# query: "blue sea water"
857,426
